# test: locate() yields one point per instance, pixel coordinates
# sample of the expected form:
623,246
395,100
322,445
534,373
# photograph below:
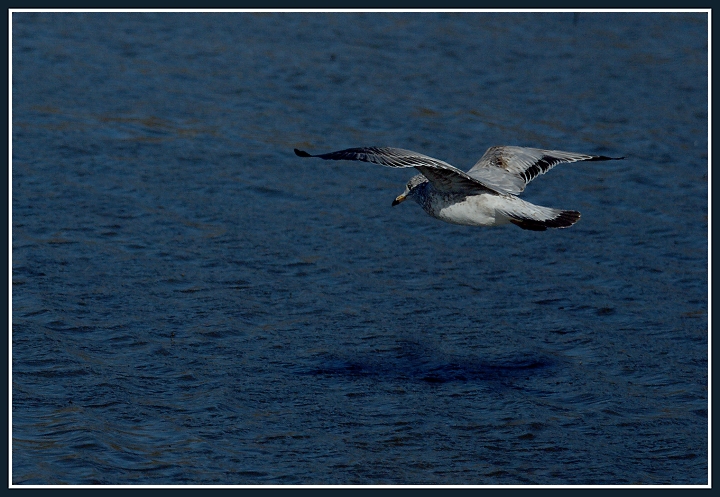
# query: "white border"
10,424
319,10
709,221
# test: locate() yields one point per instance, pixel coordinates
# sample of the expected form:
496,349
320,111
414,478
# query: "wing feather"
510,169
442,175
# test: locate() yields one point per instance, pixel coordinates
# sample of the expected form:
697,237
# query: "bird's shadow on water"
414,362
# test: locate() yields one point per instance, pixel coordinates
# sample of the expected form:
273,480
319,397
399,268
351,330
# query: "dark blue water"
192,303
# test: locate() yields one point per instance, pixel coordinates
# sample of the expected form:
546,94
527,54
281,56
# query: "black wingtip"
605,157
301,153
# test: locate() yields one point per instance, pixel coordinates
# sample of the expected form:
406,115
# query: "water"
193,304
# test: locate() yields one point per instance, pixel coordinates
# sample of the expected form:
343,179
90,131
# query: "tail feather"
563,219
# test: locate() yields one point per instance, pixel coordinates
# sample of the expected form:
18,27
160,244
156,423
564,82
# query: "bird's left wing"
442,175
510,169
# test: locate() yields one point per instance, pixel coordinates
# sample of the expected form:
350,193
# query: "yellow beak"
399,199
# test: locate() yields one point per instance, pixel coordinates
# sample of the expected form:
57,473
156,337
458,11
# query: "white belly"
478,210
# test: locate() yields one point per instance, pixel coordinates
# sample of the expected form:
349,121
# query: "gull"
486,195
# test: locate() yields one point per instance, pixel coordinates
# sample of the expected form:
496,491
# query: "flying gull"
486,195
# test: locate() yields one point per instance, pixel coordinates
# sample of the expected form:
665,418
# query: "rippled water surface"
192,303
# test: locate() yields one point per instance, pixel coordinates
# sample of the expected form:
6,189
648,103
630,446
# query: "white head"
411,188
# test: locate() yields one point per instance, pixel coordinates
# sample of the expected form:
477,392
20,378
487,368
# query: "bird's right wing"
442,175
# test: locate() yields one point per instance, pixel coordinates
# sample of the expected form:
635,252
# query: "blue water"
194,304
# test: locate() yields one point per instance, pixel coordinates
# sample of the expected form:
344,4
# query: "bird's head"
411,188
